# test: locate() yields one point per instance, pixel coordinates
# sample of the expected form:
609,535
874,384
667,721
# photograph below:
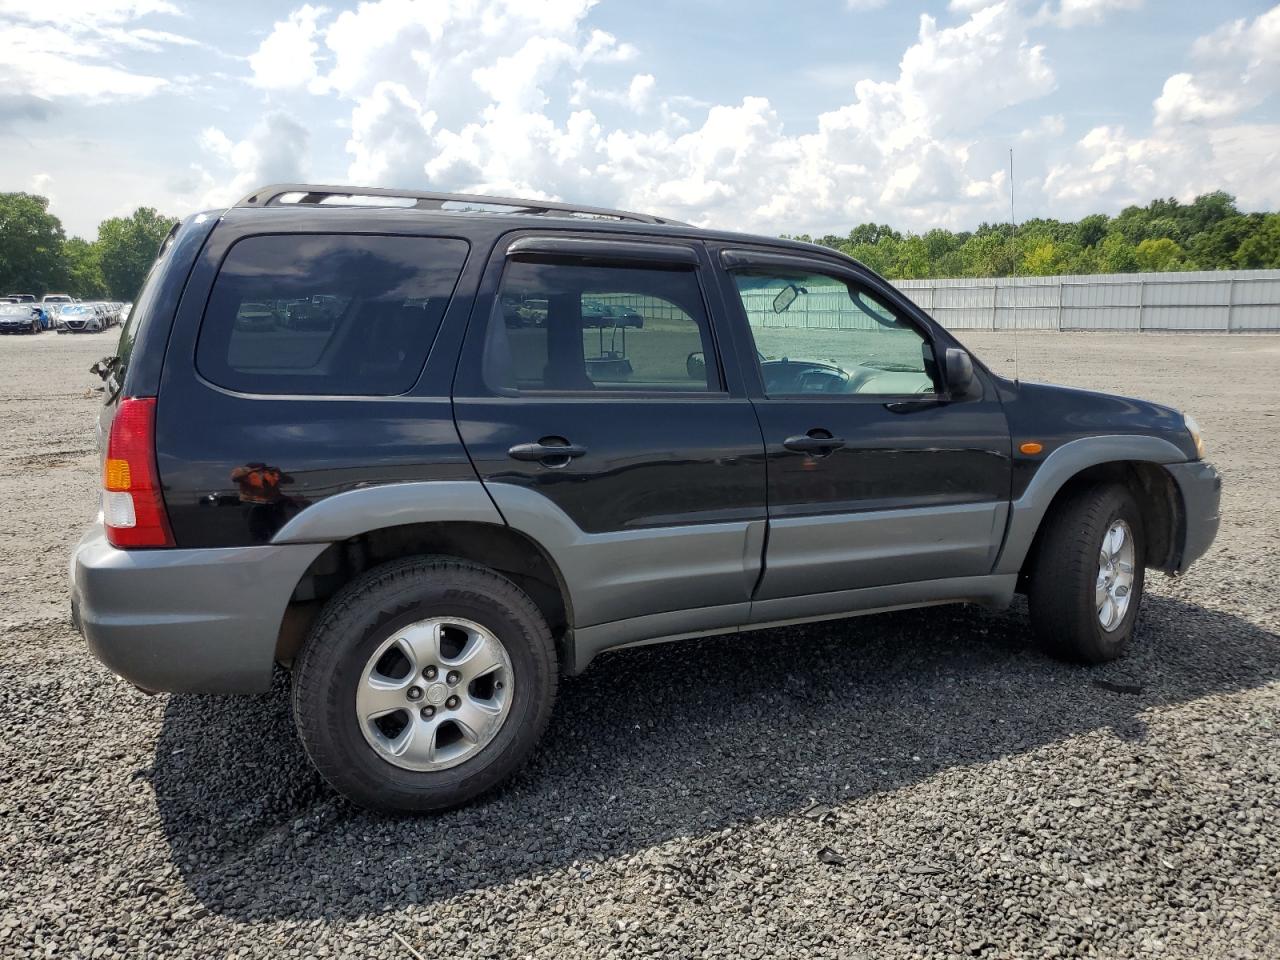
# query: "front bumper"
1200,487
189,621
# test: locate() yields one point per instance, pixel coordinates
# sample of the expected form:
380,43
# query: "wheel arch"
1134,462
370,526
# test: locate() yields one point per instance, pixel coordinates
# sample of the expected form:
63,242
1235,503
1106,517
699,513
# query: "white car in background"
81,318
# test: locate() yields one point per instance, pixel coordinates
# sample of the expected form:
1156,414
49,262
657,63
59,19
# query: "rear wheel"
1086,585
423,684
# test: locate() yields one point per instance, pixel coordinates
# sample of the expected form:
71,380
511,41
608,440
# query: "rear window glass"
129,331
338,315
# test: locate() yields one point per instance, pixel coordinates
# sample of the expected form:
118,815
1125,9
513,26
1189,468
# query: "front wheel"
1086,584
423,684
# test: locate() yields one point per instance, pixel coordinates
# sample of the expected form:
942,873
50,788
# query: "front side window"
327,314
816,334
567,327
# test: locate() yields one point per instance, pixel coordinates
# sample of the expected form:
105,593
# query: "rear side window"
569,328
337,315
141,308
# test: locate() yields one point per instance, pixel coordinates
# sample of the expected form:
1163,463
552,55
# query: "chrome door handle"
545,453
817,442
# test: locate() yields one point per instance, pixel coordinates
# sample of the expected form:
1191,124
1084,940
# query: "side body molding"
647,570
1059,467
354,512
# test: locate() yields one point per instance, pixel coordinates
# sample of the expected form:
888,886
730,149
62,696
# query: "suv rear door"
876,475
602,347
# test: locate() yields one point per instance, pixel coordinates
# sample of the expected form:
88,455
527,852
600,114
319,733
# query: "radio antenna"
1012,219
995,293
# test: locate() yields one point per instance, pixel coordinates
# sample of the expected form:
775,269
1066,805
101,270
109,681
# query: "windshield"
14,309
76,308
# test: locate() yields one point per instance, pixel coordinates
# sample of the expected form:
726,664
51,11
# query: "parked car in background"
597,314
105,312
312,313
256,316
19,318
50,304
80,318
21,297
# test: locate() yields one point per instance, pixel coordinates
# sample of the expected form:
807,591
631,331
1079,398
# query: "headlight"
1193,428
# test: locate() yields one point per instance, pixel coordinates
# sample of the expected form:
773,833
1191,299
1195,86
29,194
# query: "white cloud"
83,13
1199,139
41,185
517,98
637,97
390,136
463,96
276,151
49,64
66,49
1074,13
1237,67
1184,99
1048,127
640,92
287,58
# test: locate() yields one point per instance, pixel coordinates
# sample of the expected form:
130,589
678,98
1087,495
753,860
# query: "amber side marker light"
1030,448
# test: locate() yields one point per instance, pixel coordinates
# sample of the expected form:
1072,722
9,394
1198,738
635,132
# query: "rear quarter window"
327,314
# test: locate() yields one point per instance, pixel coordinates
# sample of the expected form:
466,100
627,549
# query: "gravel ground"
913,785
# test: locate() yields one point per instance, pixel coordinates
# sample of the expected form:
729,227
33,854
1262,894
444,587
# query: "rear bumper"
1200,486
190,621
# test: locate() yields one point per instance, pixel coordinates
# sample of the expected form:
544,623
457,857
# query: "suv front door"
876,475
639,471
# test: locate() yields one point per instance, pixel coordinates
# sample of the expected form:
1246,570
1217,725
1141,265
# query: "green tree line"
37,257
1210,233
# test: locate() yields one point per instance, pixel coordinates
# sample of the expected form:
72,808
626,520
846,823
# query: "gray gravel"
913,785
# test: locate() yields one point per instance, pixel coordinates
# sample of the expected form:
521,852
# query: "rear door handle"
549,451
817,442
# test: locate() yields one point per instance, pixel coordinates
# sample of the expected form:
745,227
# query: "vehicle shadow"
669,740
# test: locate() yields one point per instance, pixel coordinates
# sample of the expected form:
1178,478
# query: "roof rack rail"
291,194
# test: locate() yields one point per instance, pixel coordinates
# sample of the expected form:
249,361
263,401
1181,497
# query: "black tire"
364,614
1064,614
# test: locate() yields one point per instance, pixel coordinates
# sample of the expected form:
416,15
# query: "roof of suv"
301,196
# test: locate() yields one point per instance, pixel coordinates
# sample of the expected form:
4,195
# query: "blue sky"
797,117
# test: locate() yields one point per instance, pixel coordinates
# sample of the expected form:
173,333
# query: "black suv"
462,484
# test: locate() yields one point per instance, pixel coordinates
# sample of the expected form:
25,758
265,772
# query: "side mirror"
786,297
696,366
962,383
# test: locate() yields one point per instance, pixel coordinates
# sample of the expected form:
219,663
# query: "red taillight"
132,507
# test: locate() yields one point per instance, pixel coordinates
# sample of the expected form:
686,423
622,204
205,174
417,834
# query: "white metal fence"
1238,301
